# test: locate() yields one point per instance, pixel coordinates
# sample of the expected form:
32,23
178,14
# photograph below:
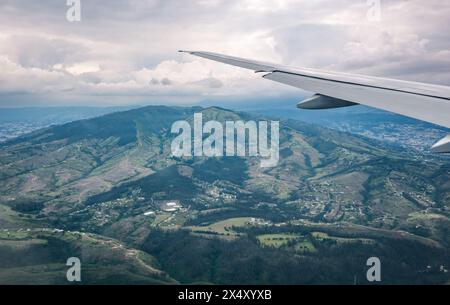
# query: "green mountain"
333,200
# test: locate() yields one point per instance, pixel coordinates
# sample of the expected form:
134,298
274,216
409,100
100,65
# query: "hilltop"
114,176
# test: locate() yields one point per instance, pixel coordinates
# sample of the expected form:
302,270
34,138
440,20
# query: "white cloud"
125,51
82,68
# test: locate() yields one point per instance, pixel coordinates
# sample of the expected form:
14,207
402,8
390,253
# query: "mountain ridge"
115,176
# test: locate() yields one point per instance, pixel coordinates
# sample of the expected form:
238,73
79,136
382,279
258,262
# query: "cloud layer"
125,51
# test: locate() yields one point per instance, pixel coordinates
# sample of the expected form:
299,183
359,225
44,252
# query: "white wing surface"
427,102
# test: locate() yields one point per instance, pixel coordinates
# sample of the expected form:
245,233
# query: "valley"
111,186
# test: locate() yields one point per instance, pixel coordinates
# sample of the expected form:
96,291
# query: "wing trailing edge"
426,102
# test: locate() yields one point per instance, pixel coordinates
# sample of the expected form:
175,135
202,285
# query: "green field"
320,236
277,240
305,246
298,242
223,227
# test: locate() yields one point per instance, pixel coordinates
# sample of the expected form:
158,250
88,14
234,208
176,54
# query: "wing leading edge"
427,102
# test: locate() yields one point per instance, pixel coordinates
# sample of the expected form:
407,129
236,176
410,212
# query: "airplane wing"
427,102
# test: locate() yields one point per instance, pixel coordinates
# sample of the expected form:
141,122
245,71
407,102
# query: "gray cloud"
32,51
210,82
125,51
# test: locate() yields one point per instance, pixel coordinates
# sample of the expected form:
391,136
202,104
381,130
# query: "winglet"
443,146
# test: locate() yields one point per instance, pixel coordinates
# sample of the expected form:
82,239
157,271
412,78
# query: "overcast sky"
125,52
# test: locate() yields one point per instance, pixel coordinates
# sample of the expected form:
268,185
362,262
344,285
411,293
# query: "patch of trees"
27,206
190,259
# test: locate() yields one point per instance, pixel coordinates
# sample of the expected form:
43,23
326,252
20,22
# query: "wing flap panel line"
430,109
402,90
